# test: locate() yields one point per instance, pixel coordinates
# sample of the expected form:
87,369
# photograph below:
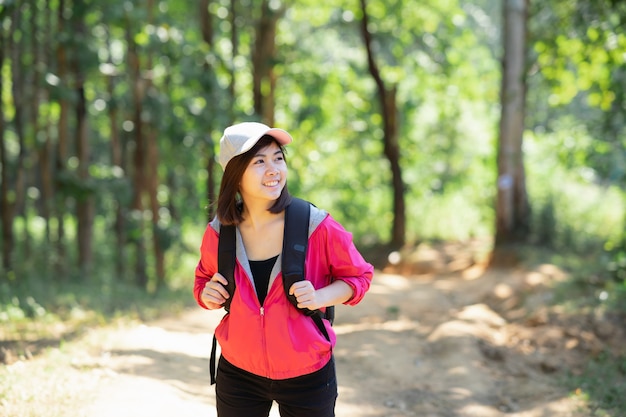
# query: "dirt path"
462,342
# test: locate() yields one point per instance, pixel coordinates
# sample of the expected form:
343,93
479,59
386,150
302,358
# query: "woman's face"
266,175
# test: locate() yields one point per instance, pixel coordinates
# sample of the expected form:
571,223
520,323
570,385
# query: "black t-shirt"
261,271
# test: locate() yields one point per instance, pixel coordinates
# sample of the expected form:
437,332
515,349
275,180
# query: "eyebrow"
262,154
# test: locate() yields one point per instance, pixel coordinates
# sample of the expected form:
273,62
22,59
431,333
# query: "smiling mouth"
271,183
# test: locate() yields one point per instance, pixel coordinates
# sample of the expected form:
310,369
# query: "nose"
272,169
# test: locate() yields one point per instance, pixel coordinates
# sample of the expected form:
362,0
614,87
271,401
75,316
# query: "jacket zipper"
267,363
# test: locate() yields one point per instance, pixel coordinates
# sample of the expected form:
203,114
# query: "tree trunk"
85,203
38,122
389,112
211,180
152,165
234,40
206,25
20,95
47,148
139,177
11,198
62,143
47,189
116,161
7,237
153,185
512,207
263,59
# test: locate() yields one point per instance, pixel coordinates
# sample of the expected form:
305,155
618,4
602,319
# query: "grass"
589,290
602,385
41,310
49,385
24,335
46,330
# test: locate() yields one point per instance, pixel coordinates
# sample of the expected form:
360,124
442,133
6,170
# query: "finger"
211,301
219,278
220,290
211,291
300,287
307,296
211,305
306,304
216,291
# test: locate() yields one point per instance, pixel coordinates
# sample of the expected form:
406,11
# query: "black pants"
242,394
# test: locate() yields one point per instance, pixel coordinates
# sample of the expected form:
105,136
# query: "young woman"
271,351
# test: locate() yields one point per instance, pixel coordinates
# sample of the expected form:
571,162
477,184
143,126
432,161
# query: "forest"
502,122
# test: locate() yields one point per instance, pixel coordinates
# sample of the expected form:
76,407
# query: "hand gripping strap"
295,242
226,259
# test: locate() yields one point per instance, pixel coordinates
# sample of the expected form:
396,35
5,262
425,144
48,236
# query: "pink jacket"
275,340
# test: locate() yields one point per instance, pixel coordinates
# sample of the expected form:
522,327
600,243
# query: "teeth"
271,183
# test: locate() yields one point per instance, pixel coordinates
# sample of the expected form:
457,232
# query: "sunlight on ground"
389,284
391,326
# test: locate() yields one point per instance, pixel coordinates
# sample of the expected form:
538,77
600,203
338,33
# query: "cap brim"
280,135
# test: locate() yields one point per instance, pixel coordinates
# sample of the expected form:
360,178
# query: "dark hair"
229,203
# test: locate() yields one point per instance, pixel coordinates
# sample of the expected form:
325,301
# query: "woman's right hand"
214,293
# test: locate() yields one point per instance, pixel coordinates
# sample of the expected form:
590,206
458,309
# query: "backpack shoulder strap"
226,259
295,242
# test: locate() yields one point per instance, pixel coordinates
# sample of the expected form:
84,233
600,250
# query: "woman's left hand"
307,295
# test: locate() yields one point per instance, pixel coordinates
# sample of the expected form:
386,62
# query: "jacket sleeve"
345,261
207,266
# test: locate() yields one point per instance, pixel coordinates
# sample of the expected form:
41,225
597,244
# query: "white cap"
240,138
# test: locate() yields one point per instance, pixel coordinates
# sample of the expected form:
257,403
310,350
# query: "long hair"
229,203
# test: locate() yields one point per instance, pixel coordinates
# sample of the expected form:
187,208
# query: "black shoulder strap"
295,242
226,259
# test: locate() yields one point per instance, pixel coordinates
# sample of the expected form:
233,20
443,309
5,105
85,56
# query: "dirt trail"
420,344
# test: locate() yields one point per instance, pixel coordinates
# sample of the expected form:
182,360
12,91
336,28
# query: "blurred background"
500,122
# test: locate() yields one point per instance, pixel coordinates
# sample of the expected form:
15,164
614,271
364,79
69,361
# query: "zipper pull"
262,311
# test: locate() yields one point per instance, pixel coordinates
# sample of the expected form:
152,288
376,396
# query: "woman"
270,351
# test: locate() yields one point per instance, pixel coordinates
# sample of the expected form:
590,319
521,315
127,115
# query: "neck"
257,215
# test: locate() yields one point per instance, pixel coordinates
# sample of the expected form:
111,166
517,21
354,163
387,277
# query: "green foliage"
443,57
429,51
576,87
615,273
574,209
617,264
580,70
48,300
602,385
575,59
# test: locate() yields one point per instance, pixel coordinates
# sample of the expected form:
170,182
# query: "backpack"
295,242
